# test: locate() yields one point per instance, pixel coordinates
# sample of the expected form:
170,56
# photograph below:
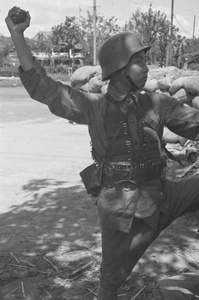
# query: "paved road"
36,145
16,106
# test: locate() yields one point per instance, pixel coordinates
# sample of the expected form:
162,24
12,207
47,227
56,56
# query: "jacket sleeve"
181,119
61,99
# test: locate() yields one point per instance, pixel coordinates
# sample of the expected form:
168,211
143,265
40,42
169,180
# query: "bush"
57,69
9,71
59,72
10,82
194,66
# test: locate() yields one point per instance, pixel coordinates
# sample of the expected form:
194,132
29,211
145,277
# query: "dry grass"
52,278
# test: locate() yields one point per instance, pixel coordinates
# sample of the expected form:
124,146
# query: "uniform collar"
120,95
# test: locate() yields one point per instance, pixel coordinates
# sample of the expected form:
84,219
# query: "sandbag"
172,71
195,102
83,74
172,138
176,85
104,89
95,84
181,96
165,83
165,93
191,84
159,73
151,85
80,86
190,98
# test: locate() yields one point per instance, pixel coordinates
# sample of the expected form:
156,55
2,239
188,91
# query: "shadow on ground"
54,234
49,236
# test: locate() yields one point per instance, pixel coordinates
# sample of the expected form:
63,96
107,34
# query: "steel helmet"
116,51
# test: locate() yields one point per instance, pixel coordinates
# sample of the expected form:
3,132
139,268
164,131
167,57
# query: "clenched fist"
18,15
17,20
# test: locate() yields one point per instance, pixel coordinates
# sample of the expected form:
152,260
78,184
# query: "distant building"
46,34
60,55
14,61
78,60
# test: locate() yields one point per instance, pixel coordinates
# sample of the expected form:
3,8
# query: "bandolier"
134,151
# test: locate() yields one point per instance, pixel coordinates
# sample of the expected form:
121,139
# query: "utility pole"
193,43
194,25
169,47
94,33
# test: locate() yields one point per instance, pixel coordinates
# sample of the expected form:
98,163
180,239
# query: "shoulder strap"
154,126
127,107
109,98
124,107
147,105
94,153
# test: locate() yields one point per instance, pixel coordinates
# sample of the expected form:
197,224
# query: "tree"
148,25
67,34
192,45
43,44
104,29
191,53
6,46
74,32
153,28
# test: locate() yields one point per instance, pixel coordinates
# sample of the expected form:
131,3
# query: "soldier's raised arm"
17,21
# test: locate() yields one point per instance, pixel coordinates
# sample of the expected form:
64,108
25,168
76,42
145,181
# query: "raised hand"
17,20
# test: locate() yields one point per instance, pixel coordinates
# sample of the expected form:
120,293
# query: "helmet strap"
126,75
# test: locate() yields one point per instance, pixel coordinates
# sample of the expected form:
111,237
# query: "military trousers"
121,251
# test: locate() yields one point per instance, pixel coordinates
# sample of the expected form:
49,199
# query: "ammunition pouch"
107,174
139,173
91,179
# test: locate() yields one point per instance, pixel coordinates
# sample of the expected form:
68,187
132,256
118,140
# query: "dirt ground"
48,224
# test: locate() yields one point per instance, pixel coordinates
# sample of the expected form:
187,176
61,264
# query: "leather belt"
120,166
139,172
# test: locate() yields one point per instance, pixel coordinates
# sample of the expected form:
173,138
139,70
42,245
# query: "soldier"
135,200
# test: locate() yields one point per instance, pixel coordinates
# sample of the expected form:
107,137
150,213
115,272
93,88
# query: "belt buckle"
123,167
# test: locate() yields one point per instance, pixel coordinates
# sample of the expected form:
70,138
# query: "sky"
47,13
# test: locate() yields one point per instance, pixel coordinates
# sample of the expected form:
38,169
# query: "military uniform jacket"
117,207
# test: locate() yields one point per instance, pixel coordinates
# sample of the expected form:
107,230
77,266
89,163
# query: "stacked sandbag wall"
181,84
88,79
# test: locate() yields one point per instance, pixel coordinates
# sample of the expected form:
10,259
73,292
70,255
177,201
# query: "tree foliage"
104,29
6,46
43,44
154,29
152,26
67,34
148,25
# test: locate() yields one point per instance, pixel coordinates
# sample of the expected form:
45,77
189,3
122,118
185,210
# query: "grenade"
19,17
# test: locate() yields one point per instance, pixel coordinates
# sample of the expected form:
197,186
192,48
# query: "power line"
105,10
110,14
182,26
